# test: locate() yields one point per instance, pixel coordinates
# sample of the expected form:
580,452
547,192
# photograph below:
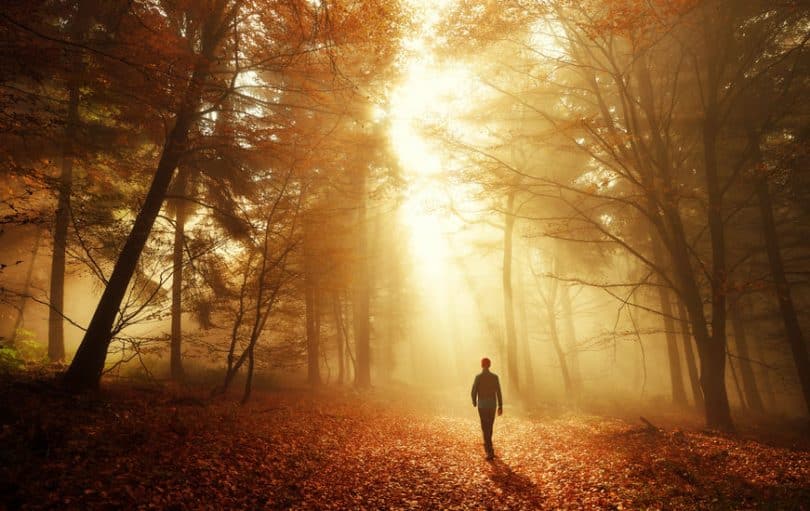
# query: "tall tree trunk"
56,335
361,299
749,382
740,393
339,335
572,350
313,332
176,357
551,310
711,348
691,364
717,349
351,362
795,337
675,373
508,299
312,301
85,370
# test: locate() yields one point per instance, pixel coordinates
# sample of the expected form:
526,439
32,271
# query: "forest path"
130,449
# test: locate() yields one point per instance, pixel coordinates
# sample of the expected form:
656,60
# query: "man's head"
485,363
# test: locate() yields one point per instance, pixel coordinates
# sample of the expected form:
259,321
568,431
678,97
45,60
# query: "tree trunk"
749,382
795,337
551,309
675,373
249,375
717,349
712,379
361,299
313,332
339,336
351,362
88,364
176,358
573,353
691,364
508,299
711,348
740,393
56,335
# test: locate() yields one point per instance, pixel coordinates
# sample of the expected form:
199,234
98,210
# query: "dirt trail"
302,450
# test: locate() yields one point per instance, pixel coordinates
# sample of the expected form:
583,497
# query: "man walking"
486,390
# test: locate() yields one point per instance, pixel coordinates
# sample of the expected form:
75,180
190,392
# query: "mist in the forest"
606,200
266,254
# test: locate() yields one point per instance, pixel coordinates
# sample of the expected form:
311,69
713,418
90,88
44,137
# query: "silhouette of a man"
486,393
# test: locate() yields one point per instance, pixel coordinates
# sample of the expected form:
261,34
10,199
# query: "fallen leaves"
337,450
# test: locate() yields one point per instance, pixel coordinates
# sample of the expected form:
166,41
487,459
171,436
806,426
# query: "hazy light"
546,38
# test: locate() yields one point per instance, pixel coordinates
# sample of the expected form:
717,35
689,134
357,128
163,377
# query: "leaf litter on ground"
130,448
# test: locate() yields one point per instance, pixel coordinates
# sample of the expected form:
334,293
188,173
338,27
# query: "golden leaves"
331,450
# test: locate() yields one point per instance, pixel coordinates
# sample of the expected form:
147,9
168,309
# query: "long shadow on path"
516,485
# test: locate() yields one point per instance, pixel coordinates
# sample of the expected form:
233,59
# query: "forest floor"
147,448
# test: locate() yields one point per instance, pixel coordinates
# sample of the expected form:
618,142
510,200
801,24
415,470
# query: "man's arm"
474,393
498,394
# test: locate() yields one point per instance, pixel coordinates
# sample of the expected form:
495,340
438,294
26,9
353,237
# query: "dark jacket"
486,389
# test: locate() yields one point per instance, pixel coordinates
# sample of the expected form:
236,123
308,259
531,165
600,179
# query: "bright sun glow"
428,96
437,99
432,96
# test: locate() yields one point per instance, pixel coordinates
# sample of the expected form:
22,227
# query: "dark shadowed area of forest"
255,254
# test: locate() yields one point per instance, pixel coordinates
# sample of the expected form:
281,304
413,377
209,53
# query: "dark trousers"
487,420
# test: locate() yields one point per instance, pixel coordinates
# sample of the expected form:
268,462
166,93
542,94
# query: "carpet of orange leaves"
160,449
